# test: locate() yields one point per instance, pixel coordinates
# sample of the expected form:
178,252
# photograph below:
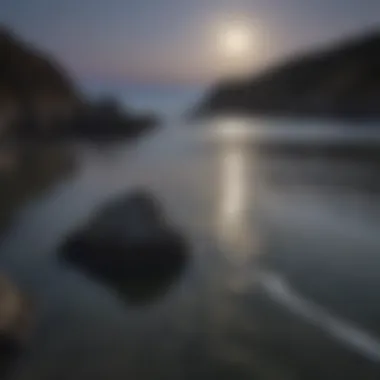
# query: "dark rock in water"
107,120
15,318
129,244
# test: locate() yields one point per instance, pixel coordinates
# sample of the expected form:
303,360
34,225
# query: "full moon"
235,40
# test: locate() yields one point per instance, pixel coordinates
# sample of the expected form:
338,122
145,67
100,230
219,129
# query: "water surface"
282,281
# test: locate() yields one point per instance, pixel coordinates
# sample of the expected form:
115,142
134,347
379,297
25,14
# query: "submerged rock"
15,318
128,241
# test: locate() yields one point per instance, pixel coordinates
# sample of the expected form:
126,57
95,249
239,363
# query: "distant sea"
166,100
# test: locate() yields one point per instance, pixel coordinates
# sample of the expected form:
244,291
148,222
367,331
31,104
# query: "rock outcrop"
38,99
342,81
36,94
128,243
107,119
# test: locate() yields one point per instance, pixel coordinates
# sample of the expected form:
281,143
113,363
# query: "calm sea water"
282,218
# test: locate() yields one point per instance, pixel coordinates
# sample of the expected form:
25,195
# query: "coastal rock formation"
36,94
341,81
107,119
128,242
38,99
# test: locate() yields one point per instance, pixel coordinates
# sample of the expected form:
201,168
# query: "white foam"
345,332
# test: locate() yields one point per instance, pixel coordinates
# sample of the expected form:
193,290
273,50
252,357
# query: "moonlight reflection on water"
234,197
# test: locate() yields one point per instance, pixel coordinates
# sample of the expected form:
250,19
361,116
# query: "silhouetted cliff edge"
35,92
39,99
340,81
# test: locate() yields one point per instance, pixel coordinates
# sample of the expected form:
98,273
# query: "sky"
173,41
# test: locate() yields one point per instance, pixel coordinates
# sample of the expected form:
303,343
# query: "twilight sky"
173,41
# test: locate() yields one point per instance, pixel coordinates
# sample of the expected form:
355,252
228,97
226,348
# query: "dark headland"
38,99
341,81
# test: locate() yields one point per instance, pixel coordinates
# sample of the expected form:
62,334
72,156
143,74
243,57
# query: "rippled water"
272,211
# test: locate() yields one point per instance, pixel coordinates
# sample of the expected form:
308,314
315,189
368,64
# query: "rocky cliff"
38,99
340,81
36,94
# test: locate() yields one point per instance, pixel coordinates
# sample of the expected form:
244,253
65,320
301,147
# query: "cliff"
39,100
35,92
340,81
